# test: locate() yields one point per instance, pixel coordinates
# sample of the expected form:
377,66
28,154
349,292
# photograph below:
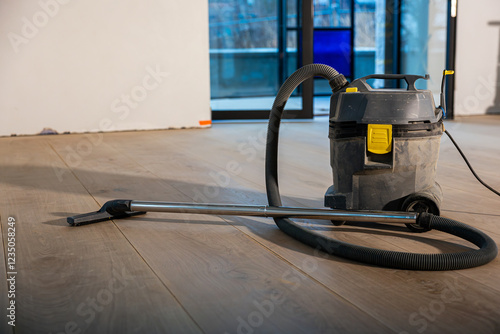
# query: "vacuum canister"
384,147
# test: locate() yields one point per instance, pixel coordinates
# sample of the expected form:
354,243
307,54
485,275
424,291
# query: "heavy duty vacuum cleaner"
384,146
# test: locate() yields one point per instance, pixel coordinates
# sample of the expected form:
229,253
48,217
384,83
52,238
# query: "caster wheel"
419,203
338,222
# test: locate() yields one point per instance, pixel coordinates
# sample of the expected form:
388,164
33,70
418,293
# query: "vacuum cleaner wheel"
419,203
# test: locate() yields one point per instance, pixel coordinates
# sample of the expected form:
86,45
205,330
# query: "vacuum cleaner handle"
409,78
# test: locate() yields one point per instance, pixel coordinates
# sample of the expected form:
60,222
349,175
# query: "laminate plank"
88,279
221,276
399,289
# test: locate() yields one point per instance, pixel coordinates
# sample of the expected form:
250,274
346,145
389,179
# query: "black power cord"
469,165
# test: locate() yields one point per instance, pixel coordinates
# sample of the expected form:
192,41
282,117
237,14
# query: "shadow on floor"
107,185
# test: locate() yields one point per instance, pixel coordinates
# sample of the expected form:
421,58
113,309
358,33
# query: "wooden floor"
173,273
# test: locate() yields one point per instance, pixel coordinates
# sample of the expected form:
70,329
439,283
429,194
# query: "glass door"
249,57
333,39
424,41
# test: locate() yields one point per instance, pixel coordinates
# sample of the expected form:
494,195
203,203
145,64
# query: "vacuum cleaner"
384,147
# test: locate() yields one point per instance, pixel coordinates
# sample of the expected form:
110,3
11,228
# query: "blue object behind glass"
333,47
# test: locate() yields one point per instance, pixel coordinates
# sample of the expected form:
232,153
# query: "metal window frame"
451,43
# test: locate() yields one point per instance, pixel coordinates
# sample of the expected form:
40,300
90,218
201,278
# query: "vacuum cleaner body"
384,147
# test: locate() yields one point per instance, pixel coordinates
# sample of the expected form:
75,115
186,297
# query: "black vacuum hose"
449,261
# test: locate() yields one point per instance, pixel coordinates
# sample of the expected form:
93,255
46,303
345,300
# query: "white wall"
477,76
89,65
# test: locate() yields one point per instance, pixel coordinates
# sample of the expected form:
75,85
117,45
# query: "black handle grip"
409,78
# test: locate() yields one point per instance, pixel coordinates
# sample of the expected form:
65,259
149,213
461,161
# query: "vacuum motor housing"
384,146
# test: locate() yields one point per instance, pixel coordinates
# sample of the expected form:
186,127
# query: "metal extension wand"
117,209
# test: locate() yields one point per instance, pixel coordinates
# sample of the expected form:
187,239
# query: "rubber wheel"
418,203
338,223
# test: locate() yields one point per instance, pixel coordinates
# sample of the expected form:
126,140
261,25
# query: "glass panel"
291,13
333,47
243,48
332,13
423,41
244,54
414,34
292,52
369,37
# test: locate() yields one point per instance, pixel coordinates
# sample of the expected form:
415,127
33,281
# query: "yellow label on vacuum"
379,138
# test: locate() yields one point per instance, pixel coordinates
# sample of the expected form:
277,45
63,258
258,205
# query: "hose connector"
424,220
338,82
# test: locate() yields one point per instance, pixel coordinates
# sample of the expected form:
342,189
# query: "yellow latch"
379,138
351,90
448,72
